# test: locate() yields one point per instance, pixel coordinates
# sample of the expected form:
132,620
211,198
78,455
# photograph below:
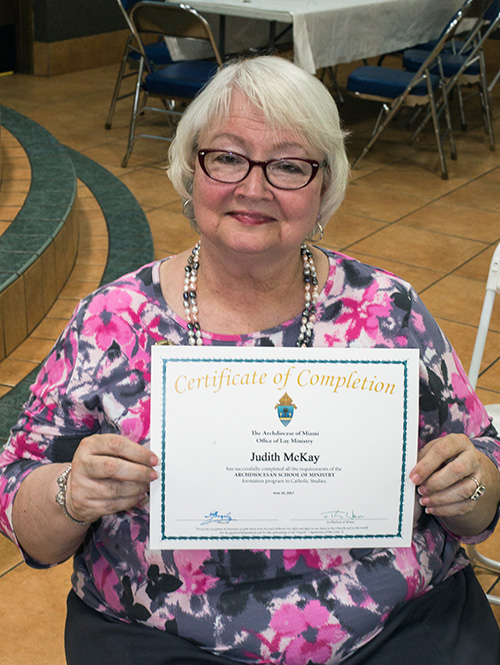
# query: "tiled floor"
398,214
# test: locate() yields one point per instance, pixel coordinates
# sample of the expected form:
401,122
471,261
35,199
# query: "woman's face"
252,216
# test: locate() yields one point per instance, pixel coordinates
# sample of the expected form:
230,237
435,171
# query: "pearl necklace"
310,295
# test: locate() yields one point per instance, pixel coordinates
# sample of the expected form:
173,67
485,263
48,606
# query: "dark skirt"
450,625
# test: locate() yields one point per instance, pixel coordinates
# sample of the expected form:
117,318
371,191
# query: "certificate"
283,448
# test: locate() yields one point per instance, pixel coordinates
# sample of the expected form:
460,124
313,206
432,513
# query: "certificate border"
339,361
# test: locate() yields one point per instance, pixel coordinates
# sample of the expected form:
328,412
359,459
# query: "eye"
290,167
227,159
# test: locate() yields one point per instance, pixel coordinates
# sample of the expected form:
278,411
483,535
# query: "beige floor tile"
32,350
491,547
93,219
419,278
33,622
490,379
419,247
406,179
151,187
93,248
20,172
483,193
488,396
12,370
459,299
49,328
344,229
14,185
478,267
8,212
365,200
462,336
93,223
9,555
11,198
79,289
89,203
84,272
444,217
93,253
63,308
171,231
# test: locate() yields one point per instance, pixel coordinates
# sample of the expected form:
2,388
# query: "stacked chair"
157,51
178,82
425,87
492,288
463,63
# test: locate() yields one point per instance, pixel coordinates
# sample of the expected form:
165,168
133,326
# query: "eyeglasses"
284,173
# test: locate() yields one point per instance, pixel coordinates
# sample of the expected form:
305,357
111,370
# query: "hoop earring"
188,209
321,230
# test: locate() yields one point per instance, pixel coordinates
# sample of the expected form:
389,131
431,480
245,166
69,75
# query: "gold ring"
479,491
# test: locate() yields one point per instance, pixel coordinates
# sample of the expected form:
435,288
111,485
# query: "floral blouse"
289,607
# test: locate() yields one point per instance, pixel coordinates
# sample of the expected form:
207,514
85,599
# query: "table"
330,32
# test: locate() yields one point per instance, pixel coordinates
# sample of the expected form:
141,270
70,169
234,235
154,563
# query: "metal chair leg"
449,127
334,86
380,125
135,113
490,564
485,101
460,97
494,81
118,83
437,132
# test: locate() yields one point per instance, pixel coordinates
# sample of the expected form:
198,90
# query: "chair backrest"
492,288
469,8
486,25
125,7
487,12
492,11
168,20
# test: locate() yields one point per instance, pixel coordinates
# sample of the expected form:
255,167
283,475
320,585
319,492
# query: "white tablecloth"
329,32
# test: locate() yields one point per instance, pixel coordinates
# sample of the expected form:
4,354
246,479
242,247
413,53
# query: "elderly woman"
260,163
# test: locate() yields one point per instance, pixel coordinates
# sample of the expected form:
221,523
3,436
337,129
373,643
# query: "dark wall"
57,20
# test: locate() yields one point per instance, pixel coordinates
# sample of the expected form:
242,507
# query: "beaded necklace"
310,297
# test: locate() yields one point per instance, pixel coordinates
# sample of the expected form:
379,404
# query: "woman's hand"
109,473
444,477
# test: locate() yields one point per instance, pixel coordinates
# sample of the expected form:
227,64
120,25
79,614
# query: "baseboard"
74,55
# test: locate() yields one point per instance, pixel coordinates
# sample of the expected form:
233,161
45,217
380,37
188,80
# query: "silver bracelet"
62,482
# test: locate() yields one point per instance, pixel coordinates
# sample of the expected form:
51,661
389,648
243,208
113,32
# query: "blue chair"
396,88
178,82
464,65
158,54
487,11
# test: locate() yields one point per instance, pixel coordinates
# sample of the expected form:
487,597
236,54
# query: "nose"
255,183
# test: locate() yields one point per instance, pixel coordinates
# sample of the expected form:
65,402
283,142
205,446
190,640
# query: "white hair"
290,98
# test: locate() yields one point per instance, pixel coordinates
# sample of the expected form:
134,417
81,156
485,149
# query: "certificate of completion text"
287,448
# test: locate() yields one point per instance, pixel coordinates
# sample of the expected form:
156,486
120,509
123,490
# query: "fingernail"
415,478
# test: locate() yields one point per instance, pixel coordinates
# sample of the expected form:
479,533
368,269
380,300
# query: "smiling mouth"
251,218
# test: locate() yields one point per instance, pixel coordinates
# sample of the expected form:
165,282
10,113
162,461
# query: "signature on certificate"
341,515
217,518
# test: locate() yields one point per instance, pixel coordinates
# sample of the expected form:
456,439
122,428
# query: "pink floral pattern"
292,607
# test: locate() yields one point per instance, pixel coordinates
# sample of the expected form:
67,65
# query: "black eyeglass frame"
252,162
